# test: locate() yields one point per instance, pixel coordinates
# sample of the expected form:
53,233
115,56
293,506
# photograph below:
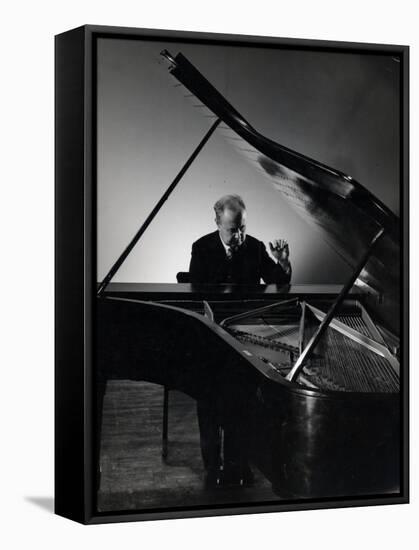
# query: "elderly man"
228,255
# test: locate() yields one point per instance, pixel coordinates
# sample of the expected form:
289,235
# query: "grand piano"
308,375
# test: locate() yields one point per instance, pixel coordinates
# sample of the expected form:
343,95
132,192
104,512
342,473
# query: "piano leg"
223,446
209,437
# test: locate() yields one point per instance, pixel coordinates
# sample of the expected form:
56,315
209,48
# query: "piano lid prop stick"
299,365
301,328
155,210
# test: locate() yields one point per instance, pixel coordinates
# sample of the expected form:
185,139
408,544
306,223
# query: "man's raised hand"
280,250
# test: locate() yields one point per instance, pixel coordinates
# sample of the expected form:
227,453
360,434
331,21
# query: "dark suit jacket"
250,264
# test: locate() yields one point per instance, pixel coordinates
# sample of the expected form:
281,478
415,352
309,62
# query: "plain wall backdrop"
26,403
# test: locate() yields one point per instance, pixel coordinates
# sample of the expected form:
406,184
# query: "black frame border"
75,269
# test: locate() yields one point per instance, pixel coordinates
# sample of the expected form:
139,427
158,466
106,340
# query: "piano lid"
347,215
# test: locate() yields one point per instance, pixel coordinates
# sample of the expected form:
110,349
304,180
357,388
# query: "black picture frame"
76,286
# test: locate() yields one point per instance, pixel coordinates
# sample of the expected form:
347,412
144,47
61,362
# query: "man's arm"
196,266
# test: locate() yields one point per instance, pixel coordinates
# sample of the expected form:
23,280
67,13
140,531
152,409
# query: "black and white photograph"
209,264
248,342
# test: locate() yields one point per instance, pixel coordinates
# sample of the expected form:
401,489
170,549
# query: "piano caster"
230,479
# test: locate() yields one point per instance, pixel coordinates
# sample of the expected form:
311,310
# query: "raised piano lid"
347,215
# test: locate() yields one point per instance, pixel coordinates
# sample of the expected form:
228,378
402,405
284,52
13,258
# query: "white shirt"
227,248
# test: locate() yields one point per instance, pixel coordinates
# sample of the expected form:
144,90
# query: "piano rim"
257,363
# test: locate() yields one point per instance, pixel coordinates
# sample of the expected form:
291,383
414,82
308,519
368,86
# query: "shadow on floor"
46,503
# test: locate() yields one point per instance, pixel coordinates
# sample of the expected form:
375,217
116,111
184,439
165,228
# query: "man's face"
232,228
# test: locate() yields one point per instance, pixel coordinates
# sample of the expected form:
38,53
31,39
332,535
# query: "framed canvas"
231,274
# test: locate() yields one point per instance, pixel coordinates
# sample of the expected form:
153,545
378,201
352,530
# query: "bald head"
230,217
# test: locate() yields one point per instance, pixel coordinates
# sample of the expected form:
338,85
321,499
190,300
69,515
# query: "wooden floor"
134,476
